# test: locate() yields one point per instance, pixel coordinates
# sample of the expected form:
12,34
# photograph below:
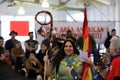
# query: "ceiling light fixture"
45,4
21,10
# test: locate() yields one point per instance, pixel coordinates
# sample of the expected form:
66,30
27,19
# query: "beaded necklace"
72,62
69,61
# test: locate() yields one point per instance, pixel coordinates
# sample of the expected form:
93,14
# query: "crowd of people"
59,58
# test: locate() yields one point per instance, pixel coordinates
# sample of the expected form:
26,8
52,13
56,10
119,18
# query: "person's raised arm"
48,66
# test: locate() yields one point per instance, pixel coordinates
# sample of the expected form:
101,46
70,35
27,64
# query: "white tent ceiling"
10,7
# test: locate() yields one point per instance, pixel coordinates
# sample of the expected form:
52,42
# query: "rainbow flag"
87,73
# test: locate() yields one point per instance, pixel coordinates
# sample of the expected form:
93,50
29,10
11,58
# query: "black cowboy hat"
13,32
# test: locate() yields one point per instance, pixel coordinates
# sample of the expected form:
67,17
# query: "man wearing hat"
9,44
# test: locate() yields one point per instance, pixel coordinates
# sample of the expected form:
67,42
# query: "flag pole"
87,74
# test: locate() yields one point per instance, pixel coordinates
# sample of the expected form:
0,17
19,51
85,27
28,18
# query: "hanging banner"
97,29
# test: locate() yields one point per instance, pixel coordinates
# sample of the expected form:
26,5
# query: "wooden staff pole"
45,66
50,22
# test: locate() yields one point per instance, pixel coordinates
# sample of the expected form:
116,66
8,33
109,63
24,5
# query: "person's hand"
30,48
107,29
45,58
89,61
2,56
22,55
53,49
69,68
37,71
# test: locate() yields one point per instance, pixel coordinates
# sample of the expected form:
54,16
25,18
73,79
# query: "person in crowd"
108,33
80,42
47,39
18,56
107,40
7,58
1,41
104,61
66,63
1,53
114,70
51,42
95,52
69,35
106,58
42,53
54,40
30,45
9,44
6,53
102,73
33,67
63,36
55,51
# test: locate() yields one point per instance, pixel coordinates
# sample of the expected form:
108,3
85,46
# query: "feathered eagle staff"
51,28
